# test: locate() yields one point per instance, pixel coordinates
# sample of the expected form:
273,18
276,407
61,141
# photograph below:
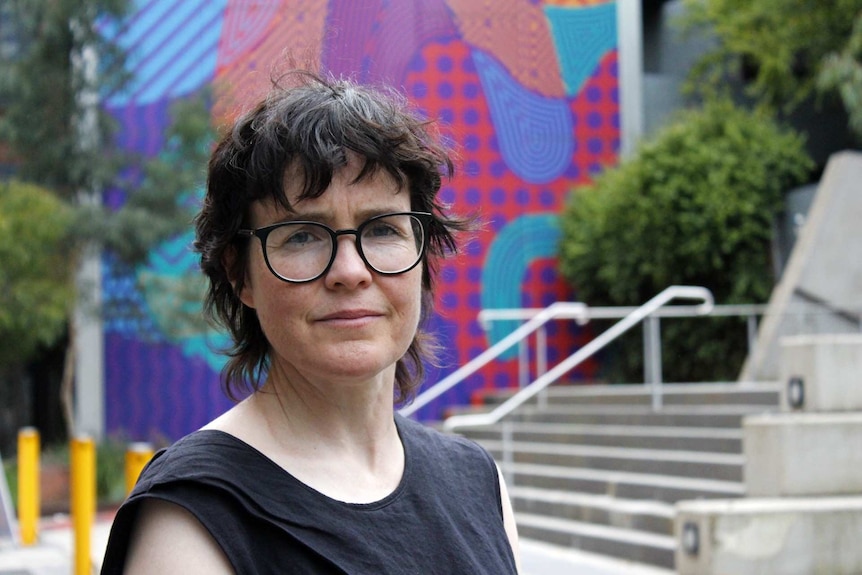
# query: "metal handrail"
486,316
558,310
652,337
584,353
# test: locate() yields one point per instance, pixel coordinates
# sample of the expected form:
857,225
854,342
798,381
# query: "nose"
348,268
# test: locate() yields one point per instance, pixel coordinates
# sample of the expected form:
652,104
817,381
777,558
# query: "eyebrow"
326,217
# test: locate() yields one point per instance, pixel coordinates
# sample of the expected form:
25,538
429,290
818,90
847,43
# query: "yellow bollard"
137,456
28,484
83,504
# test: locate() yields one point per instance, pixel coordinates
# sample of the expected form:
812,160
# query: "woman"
318,235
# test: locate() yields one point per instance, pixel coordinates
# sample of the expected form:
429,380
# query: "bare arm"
509,520
169,540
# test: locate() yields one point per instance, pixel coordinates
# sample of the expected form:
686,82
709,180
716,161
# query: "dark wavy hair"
305,127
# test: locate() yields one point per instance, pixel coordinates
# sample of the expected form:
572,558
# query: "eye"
391,228
300,237
383,229
297,236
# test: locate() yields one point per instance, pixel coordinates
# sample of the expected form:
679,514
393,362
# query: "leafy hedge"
695,205
35,272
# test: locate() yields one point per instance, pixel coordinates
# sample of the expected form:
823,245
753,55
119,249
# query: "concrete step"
642,515
727,416
733,393
718,440
613,541
596,468
721,466
628,485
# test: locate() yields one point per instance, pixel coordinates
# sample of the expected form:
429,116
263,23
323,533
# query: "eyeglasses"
300,251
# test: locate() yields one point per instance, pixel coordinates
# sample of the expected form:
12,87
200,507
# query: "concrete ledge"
827,367
797,536
800,454
819,289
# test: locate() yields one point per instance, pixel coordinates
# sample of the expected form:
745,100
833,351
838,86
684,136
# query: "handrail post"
647,353
653,326
523,364
652,350
751,324
506,440
542,362
541,351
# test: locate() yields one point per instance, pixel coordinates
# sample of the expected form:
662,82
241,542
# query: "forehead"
345,202
348,181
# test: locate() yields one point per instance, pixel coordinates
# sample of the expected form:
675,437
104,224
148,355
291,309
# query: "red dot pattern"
445,85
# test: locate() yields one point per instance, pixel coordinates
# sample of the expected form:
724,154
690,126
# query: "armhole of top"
497,473
120,537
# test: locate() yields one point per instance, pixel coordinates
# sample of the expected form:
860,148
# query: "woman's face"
351,325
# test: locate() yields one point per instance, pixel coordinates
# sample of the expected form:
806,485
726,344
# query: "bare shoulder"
168,540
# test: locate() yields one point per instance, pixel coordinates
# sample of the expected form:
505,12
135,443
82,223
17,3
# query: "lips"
350,315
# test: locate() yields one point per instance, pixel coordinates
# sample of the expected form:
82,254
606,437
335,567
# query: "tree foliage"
46,92
42,91
35,291
695,205
783,45
842,73
160,199
47,97
59,135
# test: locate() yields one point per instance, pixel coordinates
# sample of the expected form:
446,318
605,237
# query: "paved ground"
53,555
539,558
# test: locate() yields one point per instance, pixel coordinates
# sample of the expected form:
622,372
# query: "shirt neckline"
369,506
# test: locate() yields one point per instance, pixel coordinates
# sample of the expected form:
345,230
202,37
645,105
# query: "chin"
359,364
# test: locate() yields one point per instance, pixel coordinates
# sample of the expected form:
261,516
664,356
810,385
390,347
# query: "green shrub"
693,206
111,470
10,468
35,272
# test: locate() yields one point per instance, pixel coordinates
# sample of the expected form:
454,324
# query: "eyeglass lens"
303,251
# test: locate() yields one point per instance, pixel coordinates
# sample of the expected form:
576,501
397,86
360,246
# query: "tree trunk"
67,385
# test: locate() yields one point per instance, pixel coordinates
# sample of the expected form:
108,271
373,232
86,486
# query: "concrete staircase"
599,470
802,511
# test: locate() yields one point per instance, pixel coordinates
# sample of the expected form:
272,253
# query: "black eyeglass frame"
425,218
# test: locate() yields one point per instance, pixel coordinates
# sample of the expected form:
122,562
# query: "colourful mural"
526,90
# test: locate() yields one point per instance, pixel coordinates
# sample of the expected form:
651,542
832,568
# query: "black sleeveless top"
444,517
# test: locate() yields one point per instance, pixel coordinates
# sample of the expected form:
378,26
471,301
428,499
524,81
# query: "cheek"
412,299
258,280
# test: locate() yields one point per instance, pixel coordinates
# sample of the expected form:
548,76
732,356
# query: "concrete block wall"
798,454
822,373
802,472
787,536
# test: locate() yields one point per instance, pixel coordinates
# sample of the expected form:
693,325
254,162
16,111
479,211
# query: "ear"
245,294
240,286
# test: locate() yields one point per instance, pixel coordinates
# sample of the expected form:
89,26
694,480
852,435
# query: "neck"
340,439
329,411
339,444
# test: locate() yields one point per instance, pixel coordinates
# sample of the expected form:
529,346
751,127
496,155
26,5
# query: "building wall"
526,89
